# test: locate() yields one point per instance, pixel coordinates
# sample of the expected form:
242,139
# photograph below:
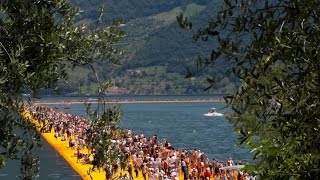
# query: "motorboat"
67,107
213,112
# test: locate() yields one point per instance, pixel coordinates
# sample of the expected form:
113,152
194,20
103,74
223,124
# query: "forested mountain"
157,50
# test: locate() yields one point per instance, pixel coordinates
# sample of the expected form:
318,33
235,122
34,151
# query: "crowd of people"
151,158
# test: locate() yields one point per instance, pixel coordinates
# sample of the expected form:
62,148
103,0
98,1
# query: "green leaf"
243,132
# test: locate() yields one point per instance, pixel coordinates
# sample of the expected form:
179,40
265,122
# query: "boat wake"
213,114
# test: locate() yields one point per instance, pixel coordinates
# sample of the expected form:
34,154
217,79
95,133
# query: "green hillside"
157,50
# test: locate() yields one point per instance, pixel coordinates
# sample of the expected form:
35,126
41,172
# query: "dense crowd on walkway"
151,158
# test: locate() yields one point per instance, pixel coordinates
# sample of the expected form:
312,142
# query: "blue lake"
182,124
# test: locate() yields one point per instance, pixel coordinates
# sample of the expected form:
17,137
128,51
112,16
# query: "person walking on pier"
144,171
130,169
184,167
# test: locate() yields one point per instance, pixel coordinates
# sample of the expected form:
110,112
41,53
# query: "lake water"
182,124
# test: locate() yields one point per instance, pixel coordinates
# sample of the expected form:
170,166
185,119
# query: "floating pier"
69,154
84,169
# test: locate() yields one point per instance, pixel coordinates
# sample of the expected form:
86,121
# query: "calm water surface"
182,124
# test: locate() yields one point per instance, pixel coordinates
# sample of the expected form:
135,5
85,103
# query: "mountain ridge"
155,45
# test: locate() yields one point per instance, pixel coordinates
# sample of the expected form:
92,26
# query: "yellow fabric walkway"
62,147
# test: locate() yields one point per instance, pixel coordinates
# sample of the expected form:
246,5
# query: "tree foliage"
39,39
273,47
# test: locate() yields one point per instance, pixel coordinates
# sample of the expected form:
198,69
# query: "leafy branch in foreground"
38,40
273,49
104,131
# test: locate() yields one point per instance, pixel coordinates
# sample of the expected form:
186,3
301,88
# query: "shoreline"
131,101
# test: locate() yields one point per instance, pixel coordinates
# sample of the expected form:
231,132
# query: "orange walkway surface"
62,147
